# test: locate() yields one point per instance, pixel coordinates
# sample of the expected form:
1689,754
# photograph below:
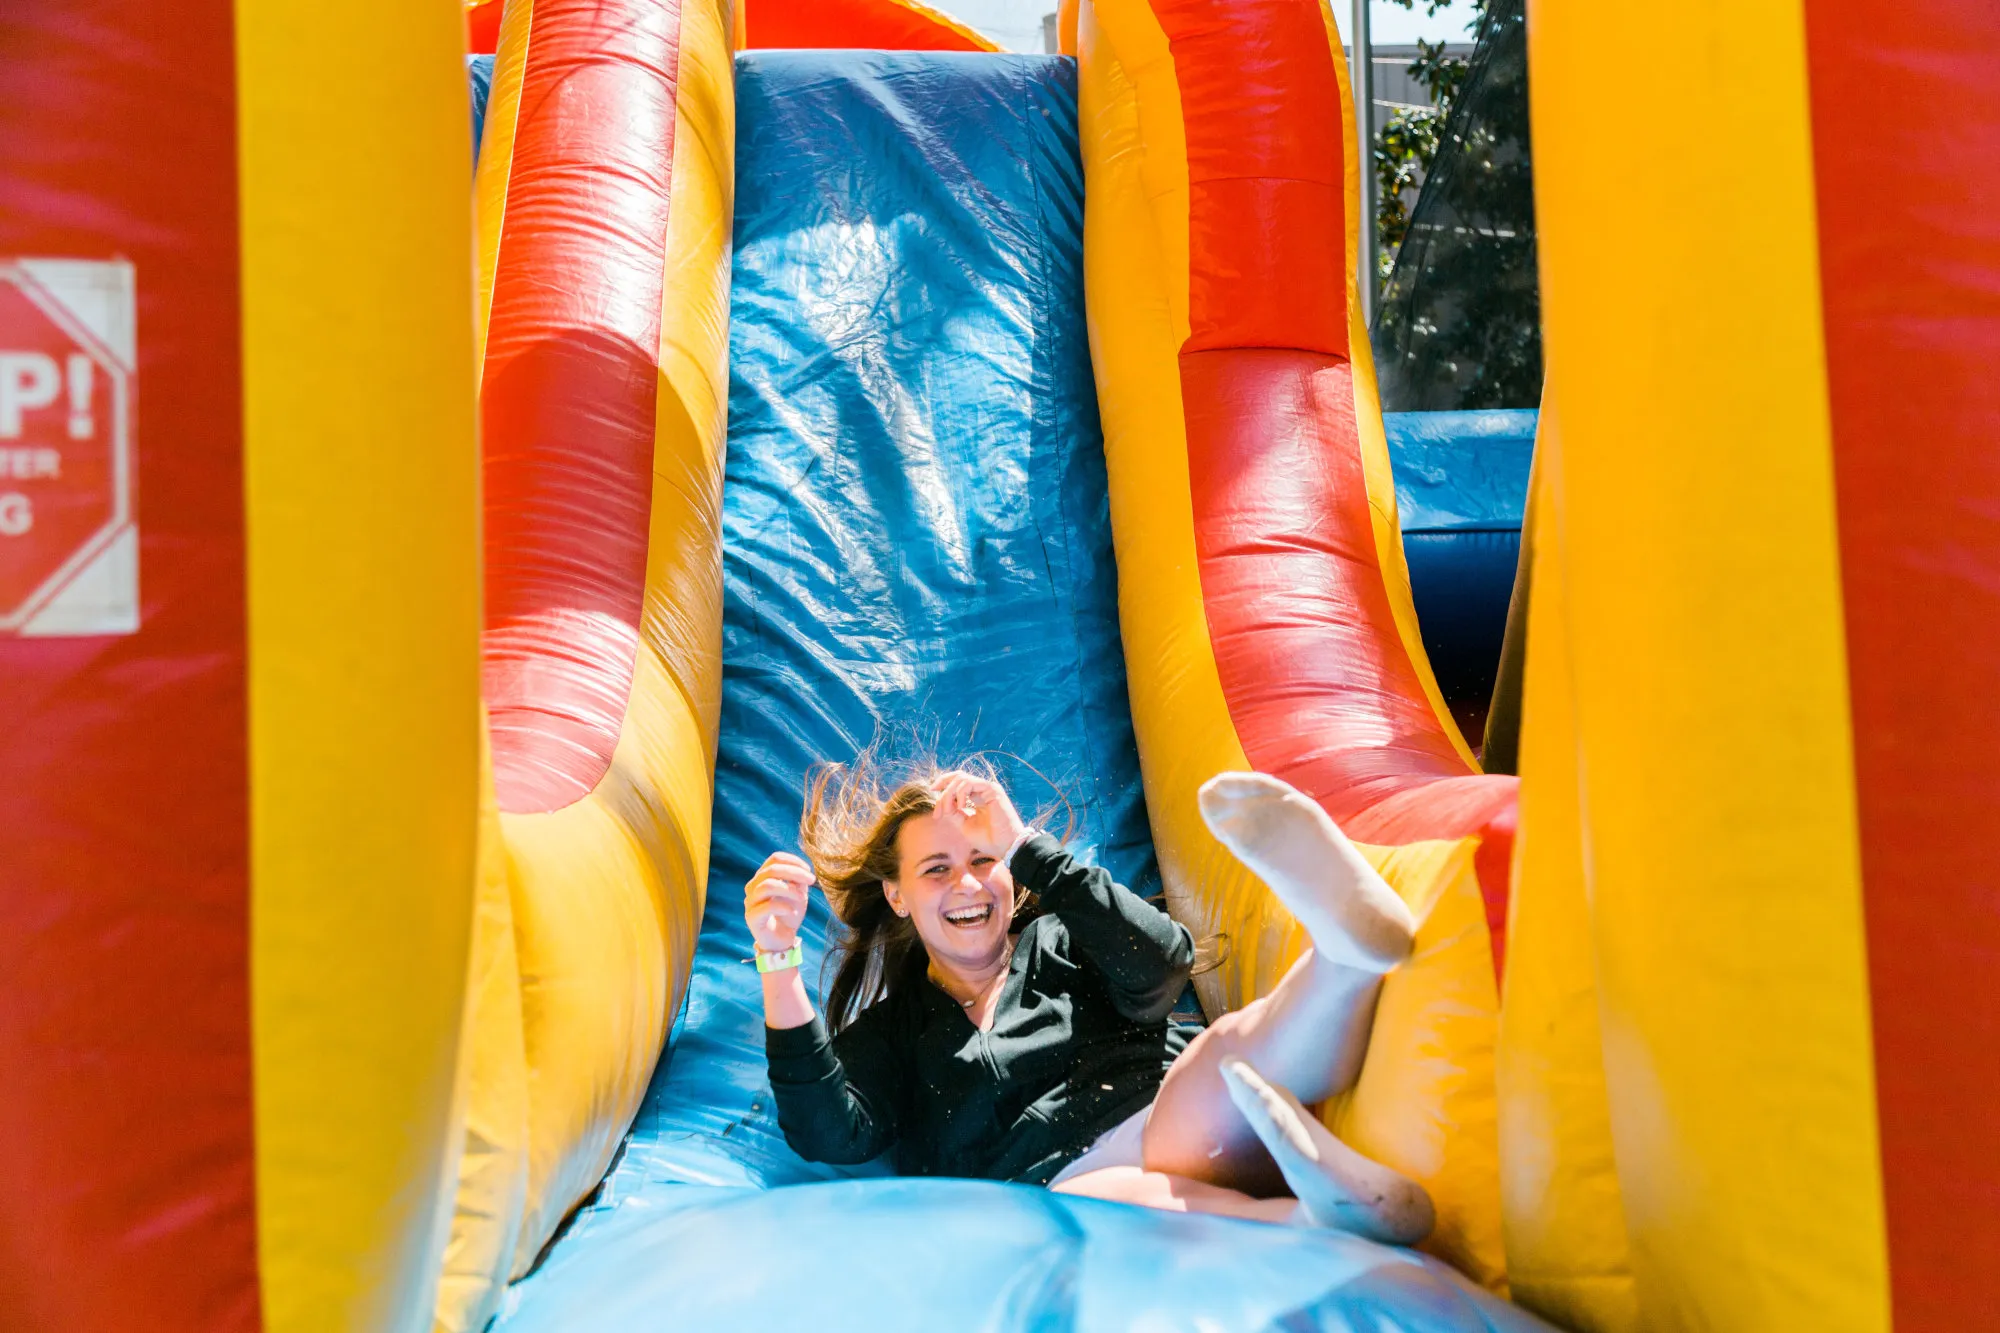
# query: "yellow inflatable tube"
1265,607
603,315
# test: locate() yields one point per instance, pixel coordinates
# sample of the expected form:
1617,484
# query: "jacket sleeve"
837,1098
1143,954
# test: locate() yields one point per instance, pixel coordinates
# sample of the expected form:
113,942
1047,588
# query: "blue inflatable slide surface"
917,556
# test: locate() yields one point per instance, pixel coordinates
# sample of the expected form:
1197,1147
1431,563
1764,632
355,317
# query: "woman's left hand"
983,806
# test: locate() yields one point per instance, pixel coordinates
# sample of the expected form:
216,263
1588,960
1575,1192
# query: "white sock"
1351,913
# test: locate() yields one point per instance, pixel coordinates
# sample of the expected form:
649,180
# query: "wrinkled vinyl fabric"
1461,487
917,553
916,532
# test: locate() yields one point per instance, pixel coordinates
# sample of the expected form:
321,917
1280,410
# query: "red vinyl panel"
880,25
1266,192
1906,126
482,27
125,1115
569,392
1320,686
1319,683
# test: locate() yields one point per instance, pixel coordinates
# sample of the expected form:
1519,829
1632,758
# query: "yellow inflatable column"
492,1184
603,638
1704,606
608,891
361,486
1567,1256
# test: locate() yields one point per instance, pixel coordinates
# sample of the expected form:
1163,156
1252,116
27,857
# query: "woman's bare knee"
1195,1130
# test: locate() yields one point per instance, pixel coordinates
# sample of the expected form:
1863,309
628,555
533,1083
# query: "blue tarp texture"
479,82
1461,486
917,553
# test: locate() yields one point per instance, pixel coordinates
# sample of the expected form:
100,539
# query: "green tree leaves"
1458,324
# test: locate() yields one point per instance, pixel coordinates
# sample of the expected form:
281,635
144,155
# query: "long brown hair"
853,813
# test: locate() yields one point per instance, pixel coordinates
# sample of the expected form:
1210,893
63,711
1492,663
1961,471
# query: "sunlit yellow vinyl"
1151,142
608,892
1137,325
492,1184
496,155
1424,1101
1704,615
684,572
362,531
1567,1255
491,1193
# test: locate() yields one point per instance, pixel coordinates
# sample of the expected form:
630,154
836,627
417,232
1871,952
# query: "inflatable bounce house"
423,592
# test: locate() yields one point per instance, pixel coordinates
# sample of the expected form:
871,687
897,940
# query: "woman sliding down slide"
1001,1010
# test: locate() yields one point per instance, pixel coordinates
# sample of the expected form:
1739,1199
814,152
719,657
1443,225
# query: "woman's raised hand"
774,901
983,805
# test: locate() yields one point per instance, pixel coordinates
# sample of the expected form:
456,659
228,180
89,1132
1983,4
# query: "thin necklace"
967,1004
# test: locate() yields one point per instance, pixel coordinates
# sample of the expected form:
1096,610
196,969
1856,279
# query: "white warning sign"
69,537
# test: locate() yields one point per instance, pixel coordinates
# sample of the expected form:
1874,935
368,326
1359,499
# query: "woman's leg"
1310,1034
1334,1185
1175,1194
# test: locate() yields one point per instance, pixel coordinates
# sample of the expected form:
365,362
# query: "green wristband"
775,960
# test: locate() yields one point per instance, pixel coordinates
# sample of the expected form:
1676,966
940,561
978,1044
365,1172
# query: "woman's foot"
1335,1185
1352,915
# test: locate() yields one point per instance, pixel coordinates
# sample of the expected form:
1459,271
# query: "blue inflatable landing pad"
930,1256
917,553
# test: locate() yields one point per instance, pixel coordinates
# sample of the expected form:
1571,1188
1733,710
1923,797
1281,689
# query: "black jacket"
1080,1040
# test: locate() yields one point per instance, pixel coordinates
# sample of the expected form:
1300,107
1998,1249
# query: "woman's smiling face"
954,889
